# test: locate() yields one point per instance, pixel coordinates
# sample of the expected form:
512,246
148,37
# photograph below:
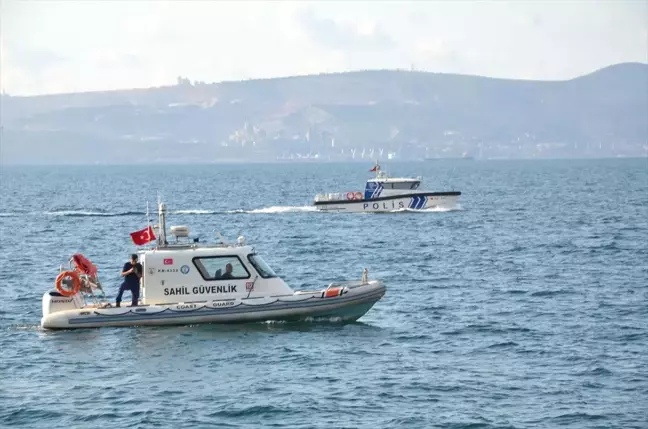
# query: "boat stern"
55,302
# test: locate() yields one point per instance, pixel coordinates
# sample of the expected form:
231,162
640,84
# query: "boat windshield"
261,266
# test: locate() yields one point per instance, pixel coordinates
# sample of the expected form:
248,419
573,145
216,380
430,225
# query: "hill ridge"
407,115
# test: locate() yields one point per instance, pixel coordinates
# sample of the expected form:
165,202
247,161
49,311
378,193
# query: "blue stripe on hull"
417,202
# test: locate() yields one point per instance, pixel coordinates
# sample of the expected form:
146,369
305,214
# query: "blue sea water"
527,307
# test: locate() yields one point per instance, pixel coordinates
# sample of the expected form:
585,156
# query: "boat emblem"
151,271
184,269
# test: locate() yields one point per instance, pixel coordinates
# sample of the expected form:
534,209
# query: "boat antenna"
148,214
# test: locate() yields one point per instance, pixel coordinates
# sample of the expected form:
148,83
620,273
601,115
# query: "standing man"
132,273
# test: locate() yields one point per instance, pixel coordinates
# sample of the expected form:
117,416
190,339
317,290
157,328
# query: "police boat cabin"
386,194
185,281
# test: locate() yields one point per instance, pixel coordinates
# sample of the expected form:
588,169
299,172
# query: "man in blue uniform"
132,273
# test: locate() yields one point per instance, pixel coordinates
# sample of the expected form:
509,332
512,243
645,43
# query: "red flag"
374,168
168,261
143,236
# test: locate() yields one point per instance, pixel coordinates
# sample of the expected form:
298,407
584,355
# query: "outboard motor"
54,301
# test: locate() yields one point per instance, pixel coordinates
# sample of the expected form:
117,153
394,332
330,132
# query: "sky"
50,46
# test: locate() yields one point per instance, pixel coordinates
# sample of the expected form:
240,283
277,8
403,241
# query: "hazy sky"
68,46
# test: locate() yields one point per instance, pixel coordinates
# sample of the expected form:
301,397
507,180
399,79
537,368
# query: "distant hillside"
399,114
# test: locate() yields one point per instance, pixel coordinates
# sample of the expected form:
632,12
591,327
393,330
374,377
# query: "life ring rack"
83,275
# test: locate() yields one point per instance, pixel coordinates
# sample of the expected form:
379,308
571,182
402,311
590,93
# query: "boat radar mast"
162,211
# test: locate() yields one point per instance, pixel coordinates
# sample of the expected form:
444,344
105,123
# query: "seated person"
227,275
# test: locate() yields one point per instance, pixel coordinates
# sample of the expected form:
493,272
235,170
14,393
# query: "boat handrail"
363,281
332,284
205,245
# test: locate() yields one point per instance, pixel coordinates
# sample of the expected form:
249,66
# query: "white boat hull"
355,300
423,201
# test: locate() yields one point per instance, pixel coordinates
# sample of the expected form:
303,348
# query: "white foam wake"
278,210
79,213
194,212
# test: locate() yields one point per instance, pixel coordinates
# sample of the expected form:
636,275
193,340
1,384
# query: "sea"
526,306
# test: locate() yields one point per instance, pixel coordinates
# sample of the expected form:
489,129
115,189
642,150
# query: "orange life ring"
76,283
84,266
358,195
349,195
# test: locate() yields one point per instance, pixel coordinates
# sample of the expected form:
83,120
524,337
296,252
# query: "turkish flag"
374,168
143,236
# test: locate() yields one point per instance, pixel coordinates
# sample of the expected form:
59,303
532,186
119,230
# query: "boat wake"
277,210
199,212
195,212
308,319
90,213
23,328
408,210
82,213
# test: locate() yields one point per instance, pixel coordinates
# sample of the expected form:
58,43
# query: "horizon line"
306,162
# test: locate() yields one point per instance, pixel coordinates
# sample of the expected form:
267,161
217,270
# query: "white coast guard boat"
189,283
386,194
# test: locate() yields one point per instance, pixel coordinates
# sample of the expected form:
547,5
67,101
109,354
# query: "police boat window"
264,269
221,268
